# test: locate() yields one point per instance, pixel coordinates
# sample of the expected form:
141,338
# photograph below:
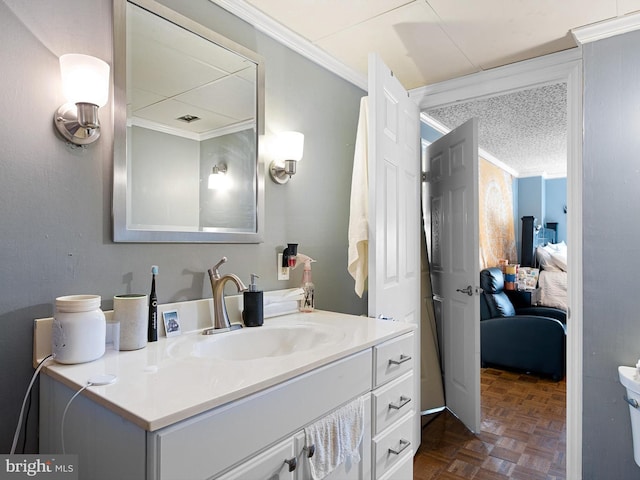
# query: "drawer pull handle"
292,462
311,449
403,358
404,444
403,401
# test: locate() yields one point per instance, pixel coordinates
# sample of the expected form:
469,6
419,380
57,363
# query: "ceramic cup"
131,312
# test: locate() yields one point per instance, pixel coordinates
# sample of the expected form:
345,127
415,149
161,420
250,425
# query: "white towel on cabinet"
337,439
358,257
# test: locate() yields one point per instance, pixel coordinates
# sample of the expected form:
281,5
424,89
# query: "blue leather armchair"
531,339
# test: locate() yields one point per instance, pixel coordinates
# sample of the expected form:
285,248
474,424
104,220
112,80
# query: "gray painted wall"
611,206
56,201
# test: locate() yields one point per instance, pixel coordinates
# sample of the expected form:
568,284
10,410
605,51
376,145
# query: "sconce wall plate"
281,171
66,121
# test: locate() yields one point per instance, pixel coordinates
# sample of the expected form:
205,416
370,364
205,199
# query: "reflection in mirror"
194,103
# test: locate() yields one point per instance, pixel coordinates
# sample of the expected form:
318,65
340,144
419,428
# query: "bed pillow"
560,261
545,260
558,252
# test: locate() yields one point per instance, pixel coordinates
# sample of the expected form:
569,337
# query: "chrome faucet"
220,316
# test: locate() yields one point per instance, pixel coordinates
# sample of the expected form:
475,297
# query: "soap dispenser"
253,312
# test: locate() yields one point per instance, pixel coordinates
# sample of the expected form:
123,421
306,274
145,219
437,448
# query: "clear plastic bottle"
308,302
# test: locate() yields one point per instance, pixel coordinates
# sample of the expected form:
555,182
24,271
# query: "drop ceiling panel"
163,70
497,32
315,19
168,112
628,6
231,97
409,40
147,29
138,98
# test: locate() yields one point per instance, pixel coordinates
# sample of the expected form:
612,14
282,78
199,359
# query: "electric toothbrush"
152,332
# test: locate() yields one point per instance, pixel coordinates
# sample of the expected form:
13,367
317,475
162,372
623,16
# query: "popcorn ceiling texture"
527,130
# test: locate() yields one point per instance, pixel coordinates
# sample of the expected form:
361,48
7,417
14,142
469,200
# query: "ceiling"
524,132
429,41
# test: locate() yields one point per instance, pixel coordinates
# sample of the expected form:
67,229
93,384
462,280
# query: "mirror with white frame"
188,122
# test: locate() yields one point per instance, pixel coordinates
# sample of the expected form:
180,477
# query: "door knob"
468,290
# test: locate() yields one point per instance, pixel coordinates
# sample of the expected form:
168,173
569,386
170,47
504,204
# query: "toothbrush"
152,333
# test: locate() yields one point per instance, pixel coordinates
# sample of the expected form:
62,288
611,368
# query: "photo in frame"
171,323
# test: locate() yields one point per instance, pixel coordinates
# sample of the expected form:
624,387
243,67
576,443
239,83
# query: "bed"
552,282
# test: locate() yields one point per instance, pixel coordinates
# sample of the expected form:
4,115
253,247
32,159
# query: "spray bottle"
307,304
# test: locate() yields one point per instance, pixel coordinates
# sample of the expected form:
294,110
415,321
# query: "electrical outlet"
283,272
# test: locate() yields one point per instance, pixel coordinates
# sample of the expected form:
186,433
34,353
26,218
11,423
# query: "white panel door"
394,205
455,270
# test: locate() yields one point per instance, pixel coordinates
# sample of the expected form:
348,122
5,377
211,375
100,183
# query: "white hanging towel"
358,257
337,438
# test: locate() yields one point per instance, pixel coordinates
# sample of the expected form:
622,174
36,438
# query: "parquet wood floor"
522,436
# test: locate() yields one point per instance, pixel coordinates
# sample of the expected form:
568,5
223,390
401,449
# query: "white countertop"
164,383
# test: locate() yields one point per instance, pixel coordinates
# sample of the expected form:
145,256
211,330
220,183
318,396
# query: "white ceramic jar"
79,329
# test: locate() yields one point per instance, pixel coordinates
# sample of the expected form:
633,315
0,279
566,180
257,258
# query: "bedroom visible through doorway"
501,207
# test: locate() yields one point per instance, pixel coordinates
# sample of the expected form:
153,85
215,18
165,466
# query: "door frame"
559,67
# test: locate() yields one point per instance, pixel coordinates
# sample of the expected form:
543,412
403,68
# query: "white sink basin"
260,342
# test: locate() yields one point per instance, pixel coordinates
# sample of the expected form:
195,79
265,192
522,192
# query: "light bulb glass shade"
215,181
290,146
218,179
85,79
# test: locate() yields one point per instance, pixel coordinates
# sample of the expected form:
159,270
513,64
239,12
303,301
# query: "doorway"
557,68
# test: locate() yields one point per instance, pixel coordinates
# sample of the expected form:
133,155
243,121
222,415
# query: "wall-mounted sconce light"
218,177
85,85
289,148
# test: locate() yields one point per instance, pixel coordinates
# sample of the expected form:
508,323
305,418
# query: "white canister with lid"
79,329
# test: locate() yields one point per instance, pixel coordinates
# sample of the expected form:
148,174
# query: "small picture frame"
171,323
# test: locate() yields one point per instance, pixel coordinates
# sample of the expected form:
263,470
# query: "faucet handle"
213,272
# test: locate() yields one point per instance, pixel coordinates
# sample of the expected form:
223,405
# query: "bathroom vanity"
234,405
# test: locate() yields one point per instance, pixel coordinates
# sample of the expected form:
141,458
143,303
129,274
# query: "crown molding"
606,28
292,40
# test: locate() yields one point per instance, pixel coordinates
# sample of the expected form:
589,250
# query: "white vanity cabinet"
254,437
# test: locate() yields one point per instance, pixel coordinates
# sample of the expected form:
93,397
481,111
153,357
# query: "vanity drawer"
268,464
392,401
393,358
393,446
402,470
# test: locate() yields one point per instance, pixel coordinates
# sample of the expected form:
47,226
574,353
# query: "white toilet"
631,380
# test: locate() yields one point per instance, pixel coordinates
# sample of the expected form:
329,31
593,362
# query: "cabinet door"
277,463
